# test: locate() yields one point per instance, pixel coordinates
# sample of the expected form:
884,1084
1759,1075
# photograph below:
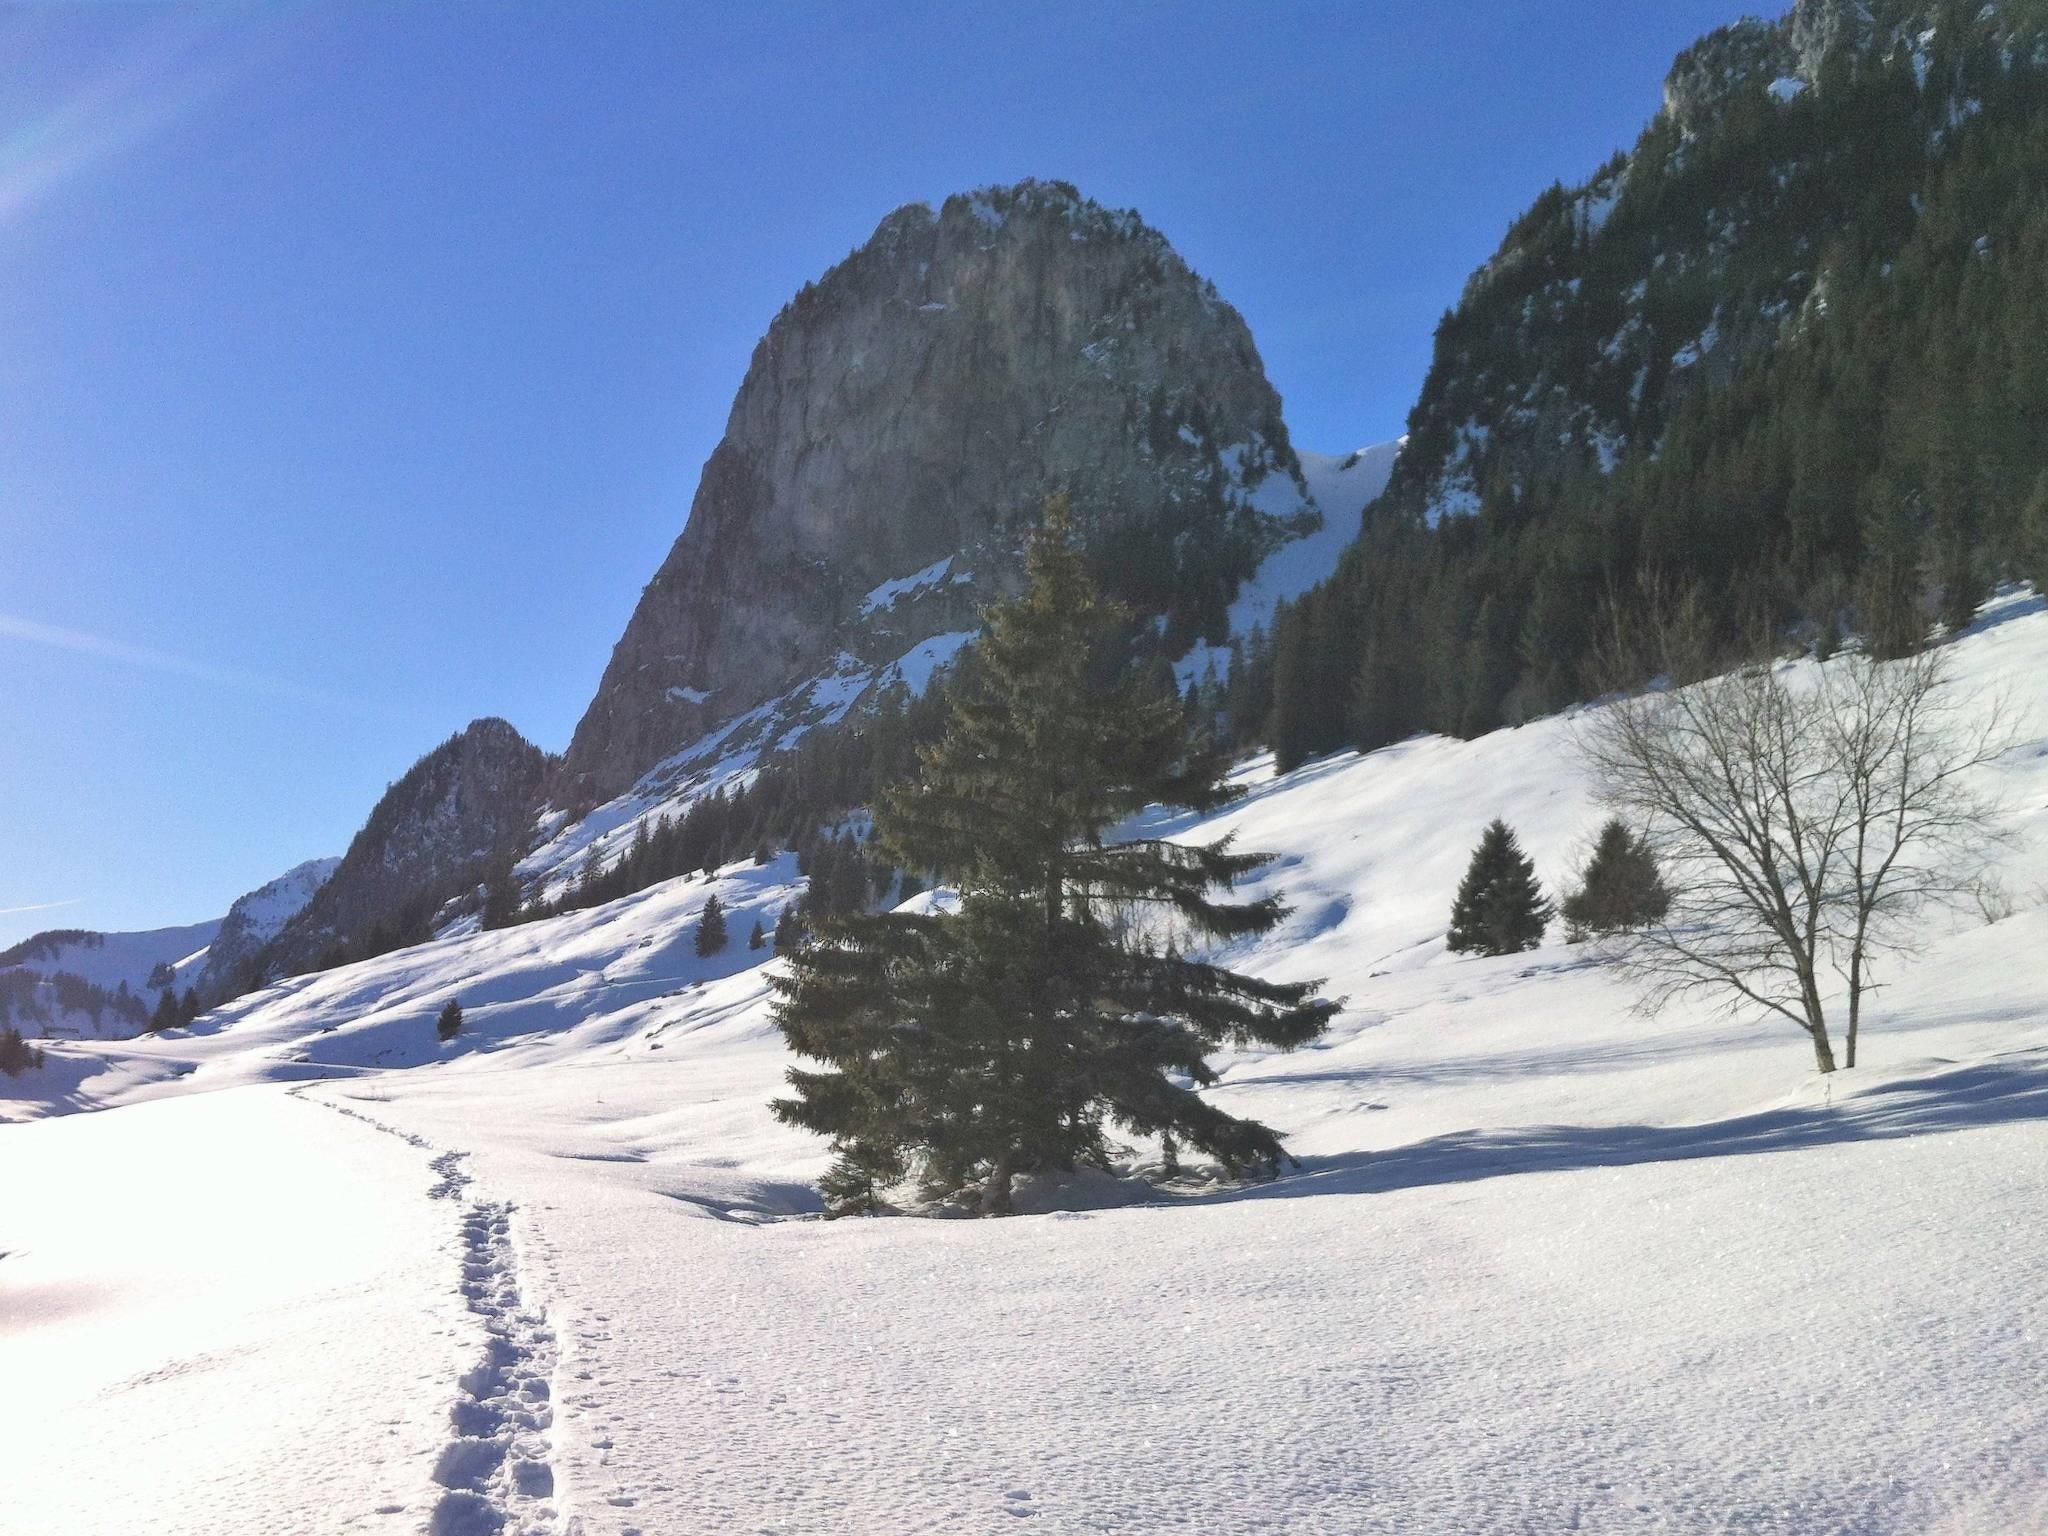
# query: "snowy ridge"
1547,1265
728,757
1340,488
197,954
269,907
110,959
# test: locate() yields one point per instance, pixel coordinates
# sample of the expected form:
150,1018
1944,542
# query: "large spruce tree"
1499,908
1060,995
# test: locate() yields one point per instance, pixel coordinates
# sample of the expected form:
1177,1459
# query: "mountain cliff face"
466,805
1786,153
901,423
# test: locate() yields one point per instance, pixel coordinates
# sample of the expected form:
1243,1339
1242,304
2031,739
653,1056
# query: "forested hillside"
1790,351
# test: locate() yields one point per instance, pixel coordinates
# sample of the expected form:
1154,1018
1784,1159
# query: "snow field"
1546,1265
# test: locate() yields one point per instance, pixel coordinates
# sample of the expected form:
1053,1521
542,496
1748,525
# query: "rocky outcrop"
914,408
462,808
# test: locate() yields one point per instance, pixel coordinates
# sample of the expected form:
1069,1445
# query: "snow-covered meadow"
1546,1265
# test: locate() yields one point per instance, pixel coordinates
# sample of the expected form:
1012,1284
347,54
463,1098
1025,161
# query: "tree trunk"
1816,1018
995,1192
1855,1004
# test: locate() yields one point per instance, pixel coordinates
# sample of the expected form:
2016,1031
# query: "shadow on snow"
2008,1089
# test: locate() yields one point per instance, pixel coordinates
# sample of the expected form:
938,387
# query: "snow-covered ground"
1546,1265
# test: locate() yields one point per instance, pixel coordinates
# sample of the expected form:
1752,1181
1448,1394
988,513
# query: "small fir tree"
758,939
1499,908
711,927
165,1015
1620,889
449,1024
788,929
1006,1036
16,1054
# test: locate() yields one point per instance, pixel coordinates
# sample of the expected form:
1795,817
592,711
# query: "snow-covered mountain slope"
1547,1265
201,955
257,918
110,959
725,758
1342,485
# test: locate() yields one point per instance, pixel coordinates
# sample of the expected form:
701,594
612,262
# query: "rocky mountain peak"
916,405
433,835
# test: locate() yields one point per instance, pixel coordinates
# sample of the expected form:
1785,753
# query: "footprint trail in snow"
496,1471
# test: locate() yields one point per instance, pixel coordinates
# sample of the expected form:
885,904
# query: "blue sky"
357,363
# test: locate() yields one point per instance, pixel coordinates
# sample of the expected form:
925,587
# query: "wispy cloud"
79,642
170,67
40,906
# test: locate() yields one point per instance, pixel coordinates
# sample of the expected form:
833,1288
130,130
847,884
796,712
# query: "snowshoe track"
496,1470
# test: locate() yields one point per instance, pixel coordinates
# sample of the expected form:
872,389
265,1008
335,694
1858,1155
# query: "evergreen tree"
1963,587
501,896
788,930
1888,591
758,939
188,1006
1007,1036
449,1024
165,1015
2034,547
1499,908
16,1054
1290,728
711,927
1620,888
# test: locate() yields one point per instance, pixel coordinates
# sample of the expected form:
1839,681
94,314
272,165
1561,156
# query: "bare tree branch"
1806,820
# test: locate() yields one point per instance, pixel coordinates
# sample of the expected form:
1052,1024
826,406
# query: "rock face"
916,406
432,837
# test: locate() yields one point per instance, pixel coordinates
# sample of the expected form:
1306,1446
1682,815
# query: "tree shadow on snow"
2007,1089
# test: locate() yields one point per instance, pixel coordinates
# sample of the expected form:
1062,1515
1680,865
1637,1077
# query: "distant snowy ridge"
111,959
1341,486
186,955
257,918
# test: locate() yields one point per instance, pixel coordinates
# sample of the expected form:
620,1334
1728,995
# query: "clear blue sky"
357,362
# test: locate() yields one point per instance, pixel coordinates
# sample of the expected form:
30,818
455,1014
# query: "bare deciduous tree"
1807,818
